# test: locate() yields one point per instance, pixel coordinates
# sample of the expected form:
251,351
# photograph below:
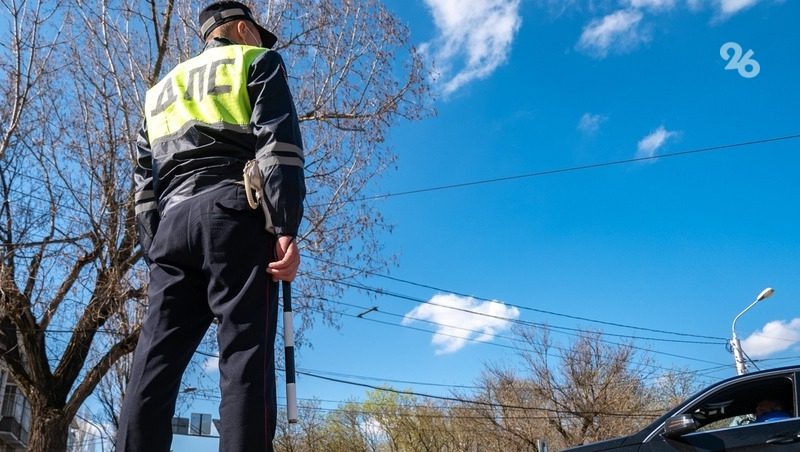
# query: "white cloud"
649,145
731,7
447,310
475,38
655,5
211,365
617,32
372,428
694,5
590,122
625,29
776,336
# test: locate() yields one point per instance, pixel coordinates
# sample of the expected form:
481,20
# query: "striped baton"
288,342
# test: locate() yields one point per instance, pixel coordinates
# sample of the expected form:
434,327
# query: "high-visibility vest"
210,88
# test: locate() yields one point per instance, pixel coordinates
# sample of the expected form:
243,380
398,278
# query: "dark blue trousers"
208,259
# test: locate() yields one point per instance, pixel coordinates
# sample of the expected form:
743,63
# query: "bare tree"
68,241
307,435
73,79
598,391
672,388
344,429
587,391
508,410
112,386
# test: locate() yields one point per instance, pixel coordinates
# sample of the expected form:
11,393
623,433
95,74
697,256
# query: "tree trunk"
50,430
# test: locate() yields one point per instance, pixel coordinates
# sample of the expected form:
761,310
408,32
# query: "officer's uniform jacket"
205,120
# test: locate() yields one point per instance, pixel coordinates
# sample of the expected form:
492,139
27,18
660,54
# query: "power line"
389,380
720,366
504,178
467,401
459,386
667,371
559,329
508,319
392,314
721,340
566,169
111,332
469,339
441,385
500,179
449,414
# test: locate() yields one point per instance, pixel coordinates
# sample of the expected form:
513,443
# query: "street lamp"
738,354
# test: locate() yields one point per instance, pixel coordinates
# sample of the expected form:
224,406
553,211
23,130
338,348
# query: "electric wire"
537,324
470,339
461,400
450,415
513,177
526,308
508,319
567,169
392,314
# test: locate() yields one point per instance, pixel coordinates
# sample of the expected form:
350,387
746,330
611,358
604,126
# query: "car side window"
767,399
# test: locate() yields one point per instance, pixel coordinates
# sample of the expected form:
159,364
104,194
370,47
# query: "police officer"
208,251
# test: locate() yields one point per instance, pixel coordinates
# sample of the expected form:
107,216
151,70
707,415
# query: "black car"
727,416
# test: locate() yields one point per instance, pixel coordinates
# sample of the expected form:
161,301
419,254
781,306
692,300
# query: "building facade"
15,415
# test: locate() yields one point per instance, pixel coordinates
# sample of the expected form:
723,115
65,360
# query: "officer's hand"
285,268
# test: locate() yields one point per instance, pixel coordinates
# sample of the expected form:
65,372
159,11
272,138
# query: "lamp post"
738,354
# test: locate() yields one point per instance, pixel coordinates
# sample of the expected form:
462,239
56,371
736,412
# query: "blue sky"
680,244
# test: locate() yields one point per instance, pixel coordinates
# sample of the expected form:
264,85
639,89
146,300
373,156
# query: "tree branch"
162,43
68,283
93,377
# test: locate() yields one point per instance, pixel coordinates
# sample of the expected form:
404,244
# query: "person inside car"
770,410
